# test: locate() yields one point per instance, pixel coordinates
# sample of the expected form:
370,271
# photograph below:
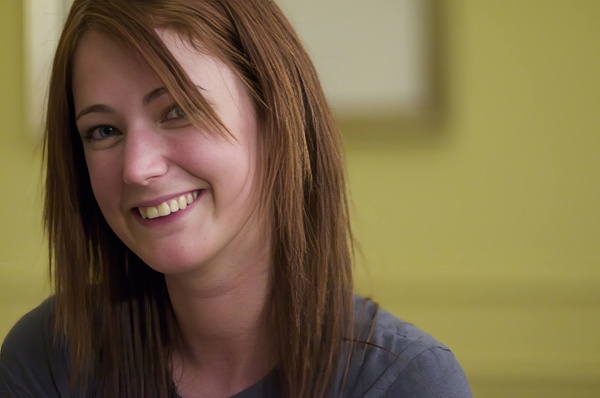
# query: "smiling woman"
197,219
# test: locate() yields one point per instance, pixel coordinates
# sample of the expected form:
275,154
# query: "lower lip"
158,221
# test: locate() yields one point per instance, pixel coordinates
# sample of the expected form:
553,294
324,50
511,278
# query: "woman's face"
181,198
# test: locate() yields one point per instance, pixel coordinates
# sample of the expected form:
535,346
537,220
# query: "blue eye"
175,113
101,136
103,132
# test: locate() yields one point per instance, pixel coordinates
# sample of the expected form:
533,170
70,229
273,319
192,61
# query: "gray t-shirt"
390,358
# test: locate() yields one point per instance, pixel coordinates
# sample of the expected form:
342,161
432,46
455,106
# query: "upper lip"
163,198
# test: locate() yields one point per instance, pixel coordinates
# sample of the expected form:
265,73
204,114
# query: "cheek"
104,179
244,184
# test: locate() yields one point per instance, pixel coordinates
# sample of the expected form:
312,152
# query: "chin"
171,267
167,264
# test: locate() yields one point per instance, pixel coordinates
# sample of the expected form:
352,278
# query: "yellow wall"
22,248
483,228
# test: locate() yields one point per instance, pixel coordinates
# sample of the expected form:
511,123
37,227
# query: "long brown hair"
113,310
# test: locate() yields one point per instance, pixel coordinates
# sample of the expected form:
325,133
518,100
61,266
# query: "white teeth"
151,212
168,207
143,212
182,202
164,209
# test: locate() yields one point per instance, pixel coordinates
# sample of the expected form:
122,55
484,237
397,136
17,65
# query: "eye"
174,118
175,113
101,137
101,132
104,132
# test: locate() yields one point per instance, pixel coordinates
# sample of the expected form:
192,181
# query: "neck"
225,328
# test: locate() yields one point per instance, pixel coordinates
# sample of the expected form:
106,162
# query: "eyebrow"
101,108
154,94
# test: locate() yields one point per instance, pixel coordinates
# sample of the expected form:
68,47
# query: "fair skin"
185,201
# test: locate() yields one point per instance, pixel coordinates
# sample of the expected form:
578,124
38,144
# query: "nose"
143,156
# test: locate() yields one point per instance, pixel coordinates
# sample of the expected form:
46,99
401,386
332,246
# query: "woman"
197,221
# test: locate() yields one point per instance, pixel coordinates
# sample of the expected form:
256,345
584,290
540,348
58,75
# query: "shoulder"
31,364
392,358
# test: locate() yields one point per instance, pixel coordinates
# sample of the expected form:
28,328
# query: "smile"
169,206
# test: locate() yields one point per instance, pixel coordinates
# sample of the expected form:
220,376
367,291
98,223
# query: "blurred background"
478,220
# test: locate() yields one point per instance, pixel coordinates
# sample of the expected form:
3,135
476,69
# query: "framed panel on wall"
375,58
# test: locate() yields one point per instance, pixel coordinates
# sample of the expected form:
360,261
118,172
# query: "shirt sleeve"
30,363
435,373
396,359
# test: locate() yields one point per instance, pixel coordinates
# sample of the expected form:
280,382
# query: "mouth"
169,206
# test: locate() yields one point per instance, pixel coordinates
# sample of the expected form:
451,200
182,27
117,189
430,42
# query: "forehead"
99,60
206,70
103,66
